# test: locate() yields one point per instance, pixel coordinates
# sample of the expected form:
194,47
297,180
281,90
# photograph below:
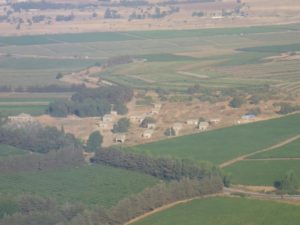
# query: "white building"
192,122
120,138
107,118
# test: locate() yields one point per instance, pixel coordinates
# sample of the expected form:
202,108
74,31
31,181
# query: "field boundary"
273,159
243,157
229,192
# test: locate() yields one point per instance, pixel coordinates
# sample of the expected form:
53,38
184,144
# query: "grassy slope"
291,150
6,150
88,184
262,172
226,211
224,144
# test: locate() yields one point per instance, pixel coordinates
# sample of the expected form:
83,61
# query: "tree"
120,108
236,102
94,142
121,126
170,132
289,183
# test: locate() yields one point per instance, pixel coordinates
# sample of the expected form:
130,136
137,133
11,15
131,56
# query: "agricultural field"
12,110
31,103
226,211
262,172
225,144
174,59
89,185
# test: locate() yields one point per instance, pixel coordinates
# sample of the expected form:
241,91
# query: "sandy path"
243,157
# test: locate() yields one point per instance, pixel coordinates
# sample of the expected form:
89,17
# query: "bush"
236,102
286,108
94,142
170,132
255,111
288,185
121,126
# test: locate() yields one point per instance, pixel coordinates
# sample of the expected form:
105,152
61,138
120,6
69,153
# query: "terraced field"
226,211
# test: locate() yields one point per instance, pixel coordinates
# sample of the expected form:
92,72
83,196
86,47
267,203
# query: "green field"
15,71
17,109
224,144
226,211
6,150
89,184
119,36
262,172
291,150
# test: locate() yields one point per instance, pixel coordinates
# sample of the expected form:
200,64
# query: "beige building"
203,126
120,138
147,134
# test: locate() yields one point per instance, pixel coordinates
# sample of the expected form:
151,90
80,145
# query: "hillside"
86,16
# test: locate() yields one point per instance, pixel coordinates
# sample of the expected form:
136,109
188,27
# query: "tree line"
163,168
35,138
66,157
93,102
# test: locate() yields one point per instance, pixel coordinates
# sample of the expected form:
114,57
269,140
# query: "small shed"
120,138
248,117
203,126
114,113
215,120
147,134
107,118
151,125
192,122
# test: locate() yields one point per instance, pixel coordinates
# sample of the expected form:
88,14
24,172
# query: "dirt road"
243,157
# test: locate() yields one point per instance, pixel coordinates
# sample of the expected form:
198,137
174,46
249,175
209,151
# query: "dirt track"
243,157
